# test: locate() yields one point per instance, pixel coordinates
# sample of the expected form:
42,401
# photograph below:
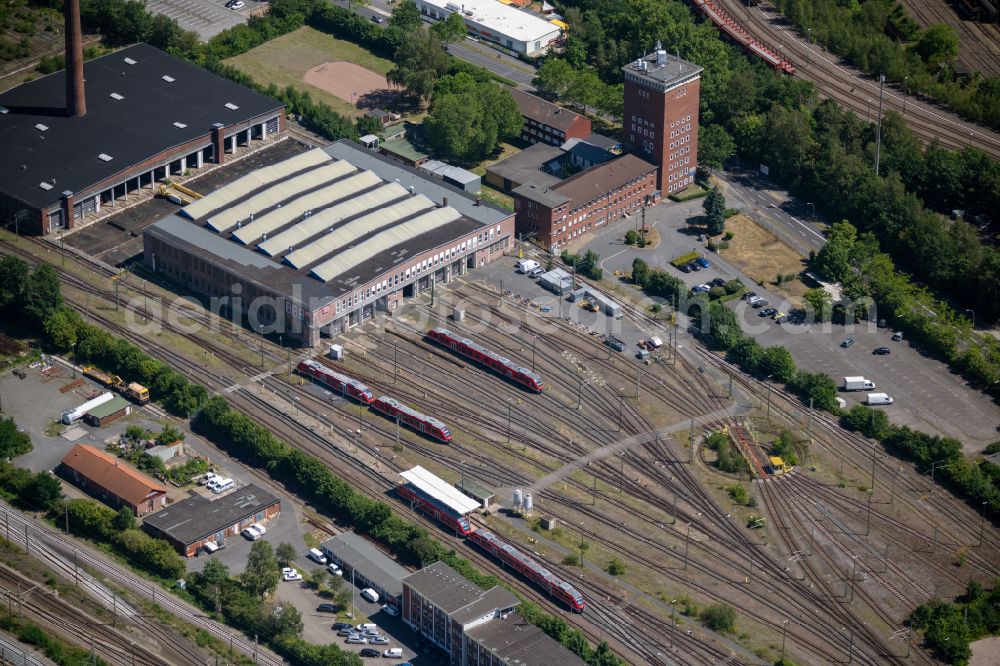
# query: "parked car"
847,343
897,336
378,19
356,640
684,268
334,569
753,299
760,303
703,262
536,271
251,533
748,295
260,528
369,652
882,351
378,640
392,611
346,632
340,626
239,4
718,282
700,287
329,608
290,574
767,312
695,266
779,317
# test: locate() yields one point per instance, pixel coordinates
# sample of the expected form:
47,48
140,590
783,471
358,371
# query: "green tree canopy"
406,17
715,212
450,30
420,62
715,145
553,77
13,442
468,119
41,295
261,574
939,43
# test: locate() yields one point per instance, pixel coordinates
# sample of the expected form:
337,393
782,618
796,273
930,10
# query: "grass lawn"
761,256
284,60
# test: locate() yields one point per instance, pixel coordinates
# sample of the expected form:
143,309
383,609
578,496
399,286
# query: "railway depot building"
514,29
319,243
191,523
572,207
111,480
147,116
366,566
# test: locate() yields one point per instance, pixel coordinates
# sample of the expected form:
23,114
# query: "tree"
41,294
450,30
13,442
13,278
719,617
616,567
124,520
640,272
406,17
368,125
817,387
939,43
60,328
819,302
833,261
715,212
420,61
715,145
468,119
285,554
777,362
212,579
261,574
553,78
44,490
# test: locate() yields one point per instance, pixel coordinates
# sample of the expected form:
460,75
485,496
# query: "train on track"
427,425
342,384
499,364
529,568
458,524
731,28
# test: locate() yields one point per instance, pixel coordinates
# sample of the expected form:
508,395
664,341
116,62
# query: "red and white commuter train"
492,360
427,425
529,568
445,516
342,384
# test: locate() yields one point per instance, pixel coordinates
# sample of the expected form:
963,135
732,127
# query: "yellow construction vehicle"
111,381
137,392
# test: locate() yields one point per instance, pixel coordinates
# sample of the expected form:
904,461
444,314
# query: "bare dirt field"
761,255
346,80
985,652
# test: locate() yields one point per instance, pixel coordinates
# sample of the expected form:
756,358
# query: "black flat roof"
198,518
130,130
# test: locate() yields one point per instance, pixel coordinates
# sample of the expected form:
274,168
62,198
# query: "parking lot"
206,17
927,394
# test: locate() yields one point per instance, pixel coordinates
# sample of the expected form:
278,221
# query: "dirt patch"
762,256
346,80
985,652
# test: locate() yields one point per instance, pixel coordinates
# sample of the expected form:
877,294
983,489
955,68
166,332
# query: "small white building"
508,26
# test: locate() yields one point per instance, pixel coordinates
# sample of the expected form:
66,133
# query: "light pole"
461,464
145,311
784,628
973,316
673,621
982,523
810,203
768,380
687,539
533,339
809,58
260,329
878,126
621,475
868,111
905,79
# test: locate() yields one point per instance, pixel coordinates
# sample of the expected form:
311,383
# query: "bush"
13,442
738,493
688,197
719,617
616,567
631,237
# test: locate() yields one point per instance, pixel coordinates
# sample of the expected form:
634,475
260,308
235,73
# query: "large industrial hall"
131,118
322,241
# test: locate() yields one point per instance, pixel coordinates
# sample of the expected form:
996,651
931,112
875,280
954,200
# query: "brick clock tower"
660,121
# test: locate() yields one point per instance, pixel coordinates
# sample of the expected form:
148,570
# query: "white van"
367,626
221,485
334,569
210,547
526,265
370,594
393,653
879,399
316,555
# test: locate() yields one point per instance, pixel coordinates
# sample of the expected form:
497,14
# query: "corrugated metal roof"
108,408
286,190
330,217
279,217
252,181
383,241
431,485
211,242
377,219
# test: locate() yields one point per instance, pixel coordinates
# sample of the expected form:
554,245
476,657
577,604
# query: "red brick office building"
545,122
587,200
660,119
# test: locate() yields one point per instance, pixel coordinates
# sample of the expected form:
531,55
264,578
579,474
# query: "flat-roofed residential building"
512,28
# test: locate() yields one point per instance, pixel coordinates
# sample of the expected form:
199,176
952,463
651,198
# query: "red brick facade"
570,209
660,120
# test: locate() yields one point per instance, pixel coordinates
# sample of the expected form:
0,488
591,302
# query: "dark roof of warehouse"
194,519
455,595
355,551
517,641
156,90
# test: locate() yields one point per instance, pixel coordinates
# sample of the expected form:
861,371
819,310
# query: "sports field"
329,68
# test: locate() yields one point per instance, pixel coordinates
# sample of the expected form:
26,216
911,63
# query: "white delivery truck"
526,265
879,399
858,384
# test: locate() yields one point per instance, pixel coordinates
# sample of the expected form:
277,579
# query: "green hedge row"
688,197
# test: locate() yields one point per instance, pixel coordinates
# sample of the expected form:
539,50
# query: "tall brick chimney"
76,102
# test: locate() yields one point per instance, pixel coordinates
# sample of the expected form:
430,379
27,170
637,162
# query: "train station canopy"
439,490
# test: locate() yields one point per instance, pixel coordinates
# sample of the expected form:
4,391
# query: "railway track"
978,43
857,91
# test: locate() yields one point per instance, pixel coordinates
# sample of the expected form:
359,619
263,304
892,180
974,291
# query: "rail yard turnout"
825,568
